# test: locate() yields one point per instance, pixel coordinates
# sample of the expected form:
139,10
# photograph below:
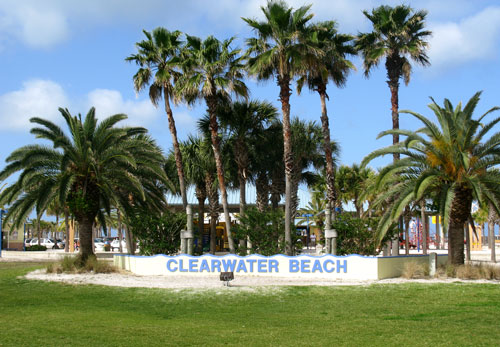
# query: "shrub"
157,234
358,235
36,248
413,269
266,230
74,265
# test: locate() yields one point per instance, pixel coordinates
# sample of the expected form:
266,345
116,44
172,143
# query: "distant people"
313,240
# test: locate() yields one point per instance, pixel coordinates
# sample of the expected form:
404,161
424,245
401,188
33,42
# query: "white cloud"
37,98
109,102
33,23
42,98
473,38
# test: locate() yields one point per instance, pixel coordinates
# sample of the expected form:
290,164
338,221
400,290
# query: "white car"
115,245
99,245
43,242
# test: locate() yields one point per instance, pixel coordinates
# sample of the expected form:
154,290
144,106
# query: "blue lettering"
204,266
262,265
241,266
170,261
273,264
251,262
193,265
294,265
181,267
329,261
216,265
228,265
317,266
304,265
344,266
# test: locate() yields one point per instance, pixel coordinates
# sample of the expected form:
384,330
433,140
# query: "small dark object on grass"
226,277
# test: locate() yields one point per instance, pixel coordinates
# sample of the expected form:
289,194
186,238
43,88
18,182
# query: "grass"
43,313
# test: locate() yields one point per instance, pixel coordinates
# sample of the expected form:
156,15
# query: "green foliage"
357,235
36,248
158,234
265,230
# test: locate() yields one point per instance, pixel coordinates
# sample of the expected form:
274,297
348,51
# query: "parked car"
99,244
49,243
115,245
27,243
60,243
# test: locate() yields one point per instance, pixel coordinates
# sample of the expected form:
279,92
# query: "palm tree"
198,161
307,153
158,59
352,183
213,71
82,170
399,36
330,64
279,50
451,160
244,123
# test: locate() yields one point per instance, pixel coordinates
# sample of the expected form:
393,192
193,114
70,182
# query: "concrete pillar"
432,264
190,242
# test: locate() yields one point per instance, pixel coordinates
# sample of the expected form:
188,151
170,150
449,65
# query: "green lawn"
40,313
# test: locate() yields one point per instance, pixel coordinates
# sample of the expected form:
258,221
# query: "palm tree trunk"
213,203
294,196
243,203
491,231
201,195
423,217
284,84
393,66
212,106
66,227
331,193
177,151
85,224
39,232
120,232
459,214
129,240
407,234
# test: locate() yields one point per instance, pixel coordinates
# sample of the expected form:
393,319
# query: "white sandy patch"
246,283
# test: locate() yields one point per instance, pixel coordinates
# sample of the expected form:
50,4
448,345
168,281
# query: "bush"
266,231
413,269
36,248
358,235
75,265
158,234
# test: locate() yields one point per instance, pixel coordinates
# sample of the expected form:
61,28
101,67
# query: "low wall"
49,255
351,267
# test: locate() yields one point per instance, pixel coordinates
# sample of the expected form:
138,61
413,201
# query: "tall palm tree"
82,170
213,71
353,182
399,36
451,160
198,162
329,63
244,123
158,60
307,153
278,51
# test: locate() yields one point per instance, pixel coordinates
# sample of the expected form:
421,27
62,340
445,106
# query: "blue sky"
71,54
